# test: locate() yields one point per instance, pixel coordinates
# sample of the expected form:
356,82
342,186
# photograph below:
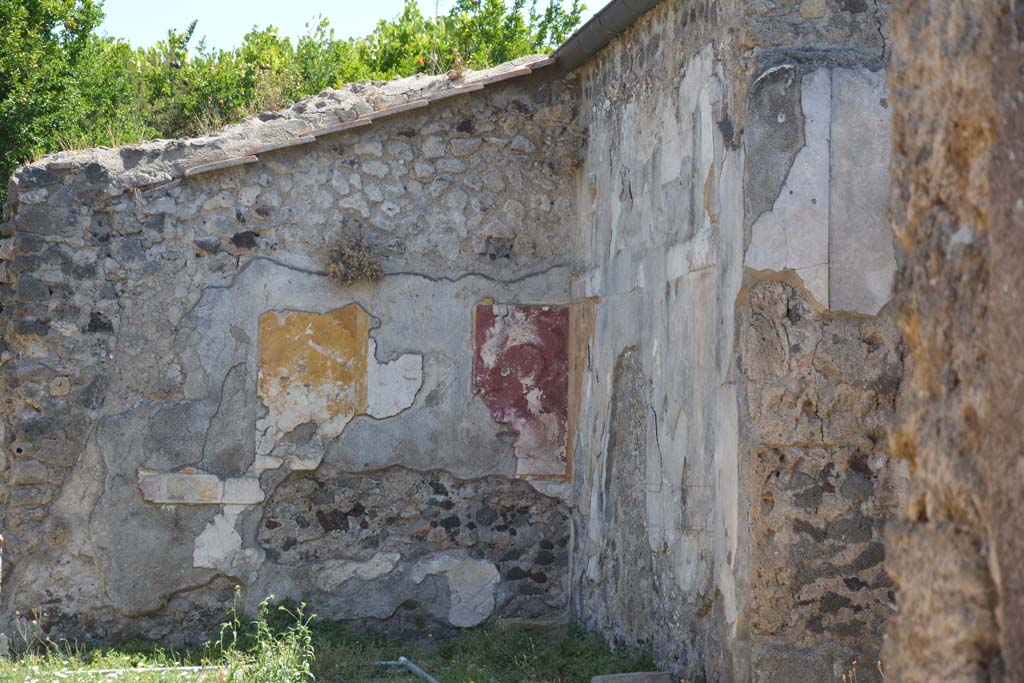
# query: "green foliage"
62,86
284,645
481,655
44,44
189,94
482,32
534,656
276,647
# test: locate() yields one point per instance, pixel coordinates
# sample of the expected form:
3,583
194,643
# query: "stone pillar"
822,364
957,210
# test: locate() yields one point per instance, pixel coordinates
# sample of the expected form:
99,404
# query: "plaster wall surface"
632,355
191,404
660,231
731,476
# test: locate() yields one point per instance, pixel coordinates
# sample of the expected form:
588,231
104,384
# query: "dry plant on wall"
351,260
458,71
851,675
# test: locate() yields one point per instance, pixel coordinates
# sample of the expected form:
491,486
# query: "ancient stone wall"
659,233
823,364
744,364
191,403
957,210
633,354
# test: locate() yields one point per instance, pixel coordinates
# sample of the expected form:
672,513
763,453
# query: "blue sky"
224,22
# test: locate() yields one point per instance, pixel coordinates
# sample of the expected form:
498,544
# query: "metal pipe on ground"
411,668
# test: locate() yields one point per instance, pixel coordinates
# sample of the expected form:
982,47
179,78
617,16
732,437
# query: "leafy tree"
405,45
323,61
42,45
482,32
103,94
63,86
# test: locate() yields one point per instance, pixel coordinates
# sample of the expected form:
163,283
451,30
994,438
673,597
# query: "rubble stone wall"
957,210
633,356
731,474
190,403
823,364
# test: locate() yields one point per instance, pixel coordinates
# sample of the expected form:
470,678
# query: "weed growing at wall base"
275,647
283,644
260,651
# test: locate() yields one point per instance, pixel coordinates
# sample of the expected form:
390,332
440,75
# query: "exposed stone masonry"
403,514
820,392
731,226
955,554
633,360
132,416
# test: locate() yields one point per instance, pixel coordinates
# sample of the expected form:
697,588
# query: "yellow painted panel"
313,365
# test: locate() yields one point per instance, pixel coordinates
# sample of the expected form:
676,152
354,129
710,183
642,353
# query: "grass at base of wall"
282,645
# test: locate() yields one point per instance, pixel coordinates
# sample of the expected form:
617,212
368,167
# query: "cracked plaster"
828,223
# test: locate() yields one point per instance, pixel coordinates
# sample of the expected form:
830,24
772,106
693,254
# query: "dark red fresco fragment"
521,371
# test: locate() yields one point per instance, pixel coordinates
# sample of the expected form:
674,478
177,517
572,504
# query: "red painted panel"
521,371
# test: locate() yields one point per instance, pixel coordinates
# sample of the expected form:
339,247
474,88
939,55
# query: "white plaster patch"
219,547
242,491
516,330
794,234
698,253
471,584
392,387
726,432
675,262
328,428
306,403
331,574
267,462
706,147
672,159
533,399
593,280
862,260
